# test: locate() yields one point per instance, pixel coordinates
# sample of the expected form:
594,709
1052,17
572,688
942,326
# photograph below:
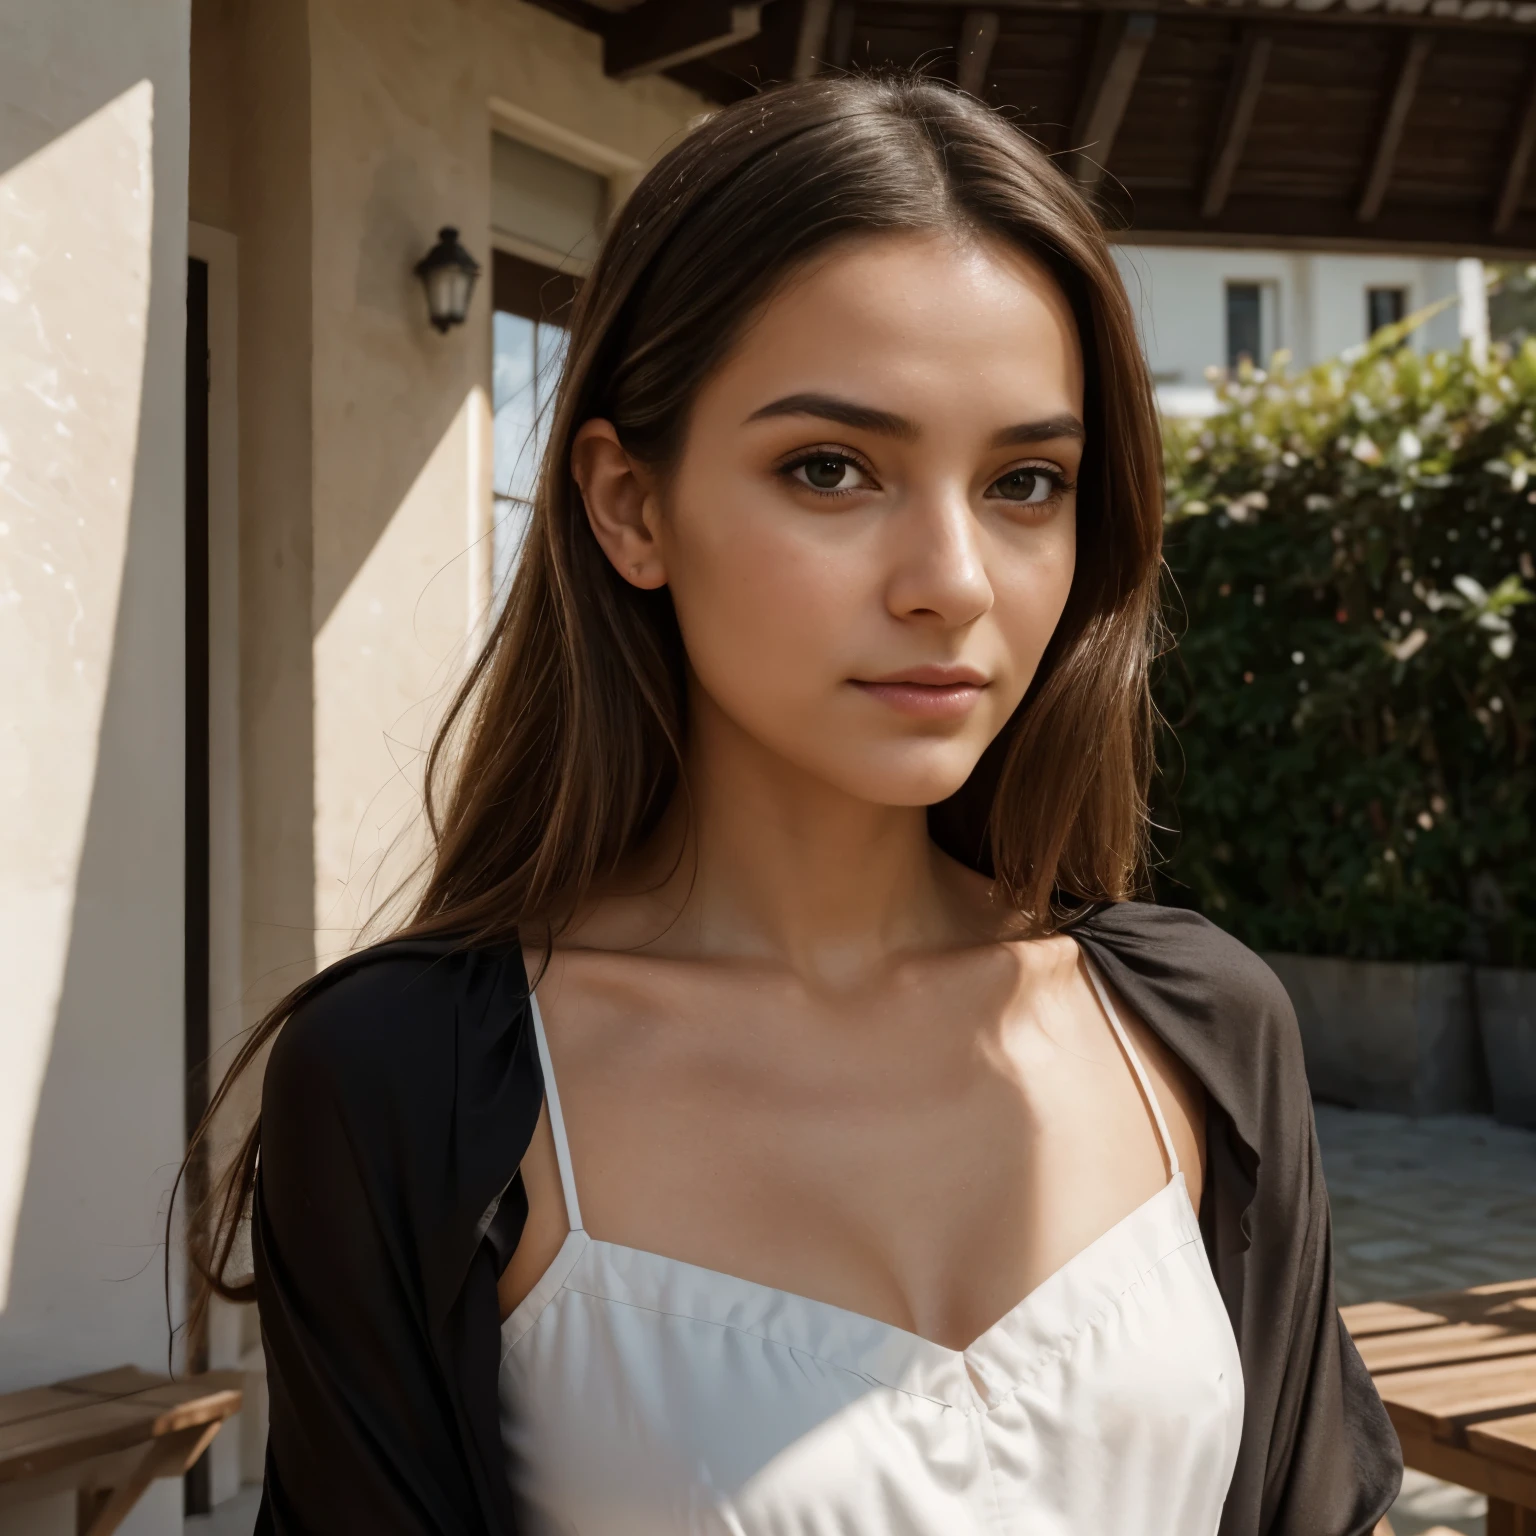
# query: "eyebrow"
866,418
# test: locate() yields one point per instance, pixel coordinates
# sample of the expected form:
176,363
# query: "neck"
779,865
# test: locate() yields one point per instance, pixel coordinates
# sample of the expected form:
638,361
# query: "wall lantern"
448,273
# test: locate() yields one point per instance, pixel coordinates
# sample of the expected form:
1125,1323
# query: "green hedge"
1349,709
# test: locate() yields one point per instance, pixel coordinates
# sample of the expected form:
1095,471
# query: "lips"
929,692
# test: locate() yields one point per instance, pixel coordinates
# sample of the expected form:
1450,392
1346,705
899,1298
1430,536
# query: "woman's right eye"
829,472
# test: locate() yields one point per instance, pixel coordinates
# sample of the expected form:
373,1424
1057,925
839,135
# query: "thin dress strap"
1136,1067
556,1120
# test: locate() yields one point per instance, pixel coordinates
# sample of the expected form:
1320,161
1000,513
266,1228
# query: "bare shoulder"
1180,1095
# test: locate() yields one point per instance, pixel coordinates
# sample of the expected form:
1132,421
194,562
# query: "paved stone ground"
1428,1205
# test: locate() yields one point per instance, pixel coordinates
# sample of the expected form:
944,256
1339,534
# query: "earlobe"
620,499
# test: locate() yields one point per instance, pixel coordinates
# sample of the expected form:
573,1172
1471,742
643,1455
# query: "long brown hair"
564,745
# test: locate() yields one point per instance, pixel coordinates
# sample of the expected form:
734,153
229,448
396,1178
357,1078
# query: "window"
1251,323
1384,306
548,216
530,304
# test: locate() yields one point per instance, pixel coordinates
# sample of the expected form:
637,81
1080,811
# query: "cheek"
765,599
1031,581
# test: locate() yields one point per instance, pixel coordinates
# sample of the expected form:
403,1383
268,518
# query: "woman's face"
869,536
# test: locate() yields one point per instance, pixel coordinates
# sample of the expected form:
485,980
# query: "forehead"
963,323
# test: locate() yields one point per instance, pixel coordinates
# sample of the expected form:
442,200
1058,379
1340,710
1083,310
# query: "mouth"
927,692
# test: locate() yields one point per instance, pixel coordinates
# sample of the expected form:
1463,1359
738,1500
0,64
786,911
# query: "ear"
622,504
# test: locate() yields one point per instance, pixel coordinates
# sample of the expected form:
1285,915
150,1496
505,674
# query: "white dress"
646,1397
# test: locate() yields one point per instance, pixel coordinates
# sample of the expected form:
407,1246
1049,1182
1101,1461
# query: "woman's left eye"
828,472
1027,487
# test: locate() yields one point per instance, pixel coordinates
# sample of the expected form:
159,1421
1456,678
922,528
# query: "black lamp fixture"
448,273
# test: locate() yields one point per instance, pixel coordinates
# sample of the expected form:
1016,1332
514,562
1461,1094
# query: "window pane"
514,402
525,376
1384,306
1244,323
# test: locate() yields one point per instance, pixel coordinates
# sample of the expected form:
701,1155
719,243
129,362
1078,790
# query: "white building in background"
1200,308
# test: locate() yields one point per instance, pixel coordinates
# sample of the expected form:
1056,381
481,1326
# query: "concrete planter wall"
1380,1035
1506,1009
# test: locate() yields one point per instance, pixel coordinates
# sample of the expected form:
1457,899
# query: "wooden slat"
1519,164
35,1403
1508,1302
37,1446
1450,1345
1439,1401
50,1427
1124,38
1391,136
1236,119
1368,1318
117,1382
973,52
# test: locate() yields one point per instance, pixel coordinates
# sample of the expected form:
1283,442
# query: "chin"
910,777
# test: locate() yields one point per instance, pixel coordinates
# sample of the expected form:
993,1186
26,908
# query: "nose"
940,573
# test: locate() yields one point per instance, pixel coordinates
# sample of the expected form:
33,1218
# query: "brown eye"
1028,487
829,472
825,474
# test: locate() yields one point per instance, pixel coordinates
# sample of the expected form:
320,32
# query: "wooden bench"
107,1437
1457,1372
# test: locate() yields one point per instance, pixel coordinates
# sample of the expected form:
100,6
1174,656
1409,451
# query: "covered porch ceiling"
1328,124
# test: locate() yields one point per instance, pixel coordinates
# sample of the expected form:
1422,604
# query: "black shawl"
402,1094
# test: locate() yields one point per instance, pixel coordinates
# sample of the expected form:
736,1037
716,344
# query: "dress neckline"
1171,1203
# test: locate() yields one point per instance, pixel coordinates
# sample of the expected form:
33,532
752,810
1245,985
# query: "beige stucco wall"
333,138
401,121
93,230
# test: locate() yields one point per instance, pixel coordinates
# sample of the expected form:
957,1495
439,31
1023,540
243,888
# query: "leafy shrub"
1347,763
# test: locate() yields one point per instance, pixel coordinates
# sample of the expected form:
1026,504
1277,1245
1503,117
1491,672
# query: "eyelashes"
829,473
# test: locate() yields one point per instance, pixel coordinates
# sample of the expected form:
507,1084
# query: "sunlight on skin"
804,1051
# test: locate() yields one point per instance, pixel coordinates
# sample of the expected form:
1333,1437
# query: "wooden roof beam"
973,53
659,34
1403,92
1243,87
1516,170
1124,38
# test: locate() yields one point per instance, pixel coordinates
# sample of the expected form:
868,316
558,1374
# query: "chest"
926,1157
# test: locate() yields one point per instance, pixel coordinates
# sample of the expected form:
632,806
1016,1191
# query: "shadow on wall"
84,1286
93,150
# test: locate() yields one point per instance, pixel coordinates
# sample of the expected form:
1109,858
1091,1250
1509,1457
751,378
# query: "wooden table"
1457,1372
107,1438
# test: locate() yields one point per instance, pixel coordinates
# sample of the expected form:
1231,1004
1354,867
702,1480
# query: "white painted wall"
1180,298
93,242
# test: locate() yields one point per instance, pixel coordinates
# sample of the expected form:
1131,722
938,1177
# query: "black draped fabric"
402,1094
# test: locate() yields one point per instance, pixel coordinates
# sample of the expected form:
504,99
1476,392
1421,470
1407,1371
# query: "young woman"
861,1158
